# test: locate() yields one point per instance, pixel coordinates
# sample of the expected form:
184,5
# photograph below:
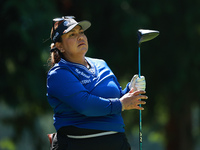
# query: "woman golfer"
85,95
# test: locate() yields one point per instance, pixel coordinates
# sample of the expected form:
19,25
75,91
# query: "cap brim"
84,24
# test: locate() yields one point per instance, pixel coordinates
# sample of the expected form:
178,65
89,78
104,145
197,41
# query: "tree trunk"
178,129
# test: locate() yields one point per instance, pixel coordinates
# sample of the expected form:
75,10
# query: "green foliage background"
170,63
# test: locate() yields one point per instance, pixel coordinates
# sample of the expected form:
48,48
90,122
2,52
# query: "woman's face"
74,44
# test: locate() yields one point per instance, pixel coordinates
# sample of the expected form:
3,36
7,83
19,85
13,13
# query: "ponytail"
55,55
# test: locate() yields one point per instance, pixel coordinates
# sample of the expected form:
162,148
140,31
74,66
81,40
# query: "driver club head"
146,35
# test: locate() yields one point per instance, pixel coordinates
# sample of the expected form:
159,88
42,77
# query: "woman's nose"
80,37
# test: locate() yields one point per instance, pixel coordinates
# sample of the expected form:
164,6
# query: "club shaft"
139,62
140,131
140,112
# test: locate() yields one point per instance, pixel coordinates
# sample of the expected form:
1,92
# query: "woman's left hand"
133,100
138,83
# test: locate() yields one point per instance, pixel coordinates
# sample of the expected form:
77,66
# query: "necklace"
87,65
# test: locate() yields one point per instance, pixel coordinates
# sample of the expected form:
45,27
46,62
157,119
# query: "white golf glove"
138,83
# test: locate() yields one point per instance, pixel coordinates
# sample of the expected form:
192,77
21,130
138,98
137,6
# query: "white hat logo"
65,23
55,36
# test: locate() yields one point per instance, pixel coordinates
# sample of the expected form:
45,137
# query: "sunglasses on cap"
57,21
64,25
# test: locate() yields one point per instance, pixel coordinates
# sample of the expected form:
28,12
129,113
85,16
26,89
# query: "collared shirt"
85,98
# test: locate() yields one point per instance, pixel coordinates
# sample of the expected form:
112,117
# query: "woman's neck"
81,61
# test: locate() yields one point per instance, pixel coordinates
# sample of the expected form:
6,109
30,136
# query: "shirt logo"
85,81
82,73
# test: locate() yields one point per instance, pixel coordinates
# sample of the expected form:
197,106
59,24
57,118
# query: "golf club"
143,36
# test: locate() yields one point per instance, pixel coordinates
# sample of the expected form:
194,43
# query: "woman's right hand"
132,100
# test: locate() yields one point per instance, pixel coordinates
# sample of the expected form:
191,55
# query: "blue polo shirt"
85,98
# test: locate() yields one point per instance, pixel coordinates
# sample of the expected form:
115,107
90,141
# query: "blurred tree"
25,25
